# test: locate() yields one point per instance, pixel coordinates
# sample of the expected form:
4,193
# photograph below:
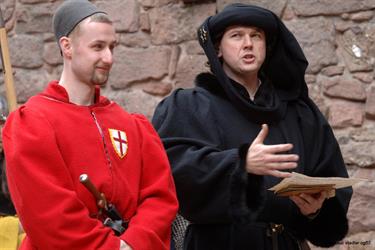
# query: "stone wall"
158,52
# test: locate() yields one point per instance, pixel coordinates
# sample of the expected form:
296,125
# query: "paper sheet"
299,183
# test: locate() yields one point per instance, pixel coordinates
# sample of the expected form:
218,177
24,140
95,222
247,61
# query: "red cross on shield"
119,141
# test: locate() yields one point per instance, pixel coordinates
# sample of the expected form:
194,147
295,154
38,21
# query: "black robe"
207,137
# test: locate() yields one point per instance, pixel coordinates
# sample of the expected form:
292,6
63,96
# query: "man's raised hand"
267,159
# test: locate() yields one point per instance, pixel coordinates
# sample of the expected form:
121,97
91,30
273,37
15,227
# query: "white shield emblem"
119,141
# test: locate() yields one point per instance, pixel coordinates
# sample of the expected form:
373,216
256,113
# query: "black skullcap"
285,63
241,14
71,13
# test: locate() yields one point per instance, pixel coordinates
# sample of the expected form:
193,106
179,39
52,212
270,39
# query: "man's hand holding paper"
298,183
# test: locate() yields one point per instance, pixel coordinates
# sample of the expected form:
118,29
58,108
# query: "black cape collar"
267,107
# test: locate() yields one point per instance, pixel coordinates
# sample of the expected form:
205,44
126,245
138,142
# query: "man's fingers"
281,165
306,198
278,148
279,174
296,200
313,198
262,135
275,169
282,158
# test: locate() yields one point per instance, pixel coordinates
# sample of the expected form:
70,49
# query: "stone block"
359,154
135,40
343,88
333,70
34,1
330,7
35,18
171,24
356,47
310,79
128,22
135,101
288,14
275,6
135,65
51,54
363,135
144,22
315,95
187,69
370,104
316,36
193,48
7,10
175,55
29,82
342,115
362,16
362,212
365,77
342,25
156,3
158,89
21,46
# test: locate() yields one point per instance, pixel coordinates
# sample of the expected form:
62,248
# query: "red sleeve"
43,191
150,228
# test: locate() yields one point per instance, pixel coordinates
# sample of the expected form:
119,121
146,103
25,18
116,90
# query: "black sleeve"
211,180
331,224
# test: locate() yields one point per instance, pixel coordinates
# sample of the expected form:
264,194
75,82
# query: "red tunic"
49,142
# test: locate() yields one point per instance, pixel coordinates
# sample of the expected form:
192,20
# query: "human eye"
235,34
112,46
257,35
97,46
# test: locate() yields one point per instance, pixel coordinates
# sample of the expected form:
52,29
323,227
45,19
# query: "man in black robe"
244,127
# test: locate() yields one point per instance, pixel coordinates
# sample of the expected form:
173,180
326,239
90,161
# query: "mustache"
105,66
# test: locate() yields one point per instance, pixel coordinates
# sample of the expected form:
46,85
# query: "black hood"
285,63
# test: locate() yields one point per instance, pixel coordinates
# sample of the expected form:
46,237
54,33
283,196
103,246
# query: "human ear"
219,53
65,46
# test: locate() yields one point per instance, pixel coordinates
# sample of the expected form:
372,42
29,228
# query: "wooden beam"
7,67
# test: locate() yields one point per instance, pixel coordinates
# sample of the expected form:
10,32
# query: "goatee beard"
100,79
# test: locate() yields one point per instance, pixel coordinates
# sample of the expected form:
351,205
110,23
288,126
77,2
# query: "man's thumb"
262,134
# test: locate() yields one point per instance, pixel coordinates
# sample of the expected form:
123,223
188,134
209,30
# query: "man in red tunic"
70,129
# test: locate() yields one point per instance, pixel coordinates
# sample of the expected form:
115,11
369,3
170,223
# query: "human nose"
107,56
247,42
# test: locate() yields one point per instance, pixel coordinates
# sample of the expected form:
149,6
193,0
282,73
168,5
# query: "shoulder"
183,102
142,122
28,123
205,89
146,130
139,118
186,105
28,112
310,113
186,99
314,126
